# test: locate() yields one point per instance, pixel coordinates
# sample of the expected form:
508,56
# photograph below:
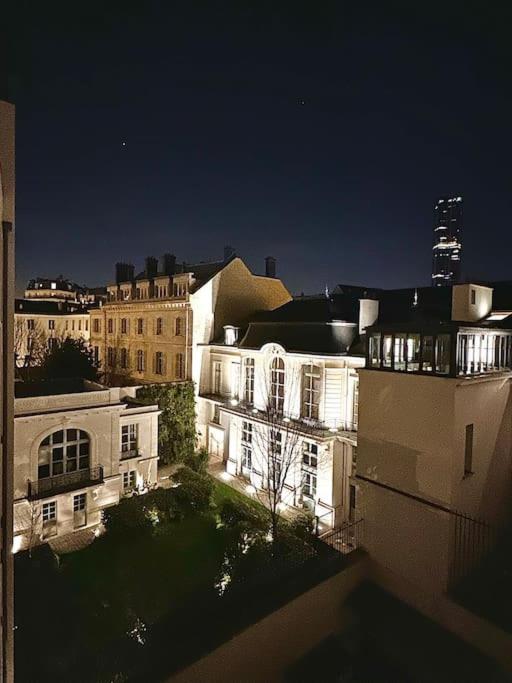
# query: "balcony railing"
65,482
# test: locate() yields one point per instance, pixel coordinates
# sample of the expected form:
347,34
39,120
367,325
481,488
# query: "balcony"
50,486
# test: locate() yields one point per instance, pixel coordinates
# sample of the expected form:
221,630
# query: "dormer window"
230,335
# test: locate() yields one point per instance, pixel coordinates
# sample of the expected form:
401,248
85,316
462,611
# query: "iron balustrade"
65,482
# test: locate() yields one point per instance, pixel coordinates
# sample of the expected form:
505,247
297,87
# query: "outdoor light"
250,489
226,476
286,419
333,430
16,544
281,506
255,411
233,402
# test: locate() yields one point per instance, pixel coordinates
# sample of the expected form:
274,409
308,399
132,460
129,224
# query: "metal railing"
473,540
65,482
345,538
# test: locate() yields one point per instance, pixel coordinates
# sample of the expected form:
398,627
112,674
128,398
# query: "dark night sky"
402,102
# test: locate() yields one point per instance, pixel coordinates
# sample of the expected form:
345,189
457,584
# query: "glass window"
399,352
413,352
129,480
216,377
387,347
159,363
178,331
49,511
159,326
79,502
375,350
249,380
51,324
124,326
246,432
129,438
427,364
309,484
141,358
124,359
180,366
110,326
63,451
443,354
140,326
96,325
310,391
277,385
310,454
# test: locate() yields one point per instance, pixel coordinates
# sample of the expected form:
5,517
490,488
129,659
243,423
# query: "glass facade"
454,353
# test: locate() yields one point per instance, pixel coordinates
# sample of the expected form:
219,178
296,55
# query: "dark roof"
417,305
48,307
54,387
323,338
314,309
61,284
202,271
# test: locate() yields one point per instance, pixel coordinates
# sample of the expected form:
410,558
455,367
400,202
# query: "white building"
78,448
301,361
435,435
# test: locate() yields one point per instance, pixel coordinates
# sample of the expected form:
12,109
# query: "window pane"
443,354
58,437
386,351
71,434
413,352
428,354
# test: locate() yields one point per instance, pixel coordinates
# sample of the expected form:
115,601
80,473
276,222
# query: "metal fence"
473,540
345,538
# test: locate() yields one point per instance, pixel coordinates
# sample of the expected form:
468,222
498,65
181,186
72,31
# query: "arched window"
277,385
64,451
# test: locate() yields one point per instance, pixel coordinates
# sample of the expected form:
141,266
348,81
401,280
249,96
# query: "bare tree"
30,343
116,364
278,438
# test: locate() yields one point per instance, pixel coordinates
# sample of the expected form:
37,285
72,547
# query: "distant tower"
447,246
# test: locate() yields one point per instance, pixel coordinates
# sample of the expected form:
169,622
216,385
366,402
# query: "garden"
176,572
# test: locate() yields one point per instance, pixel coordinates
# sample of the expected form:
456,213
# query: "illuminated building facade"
447,246
79,448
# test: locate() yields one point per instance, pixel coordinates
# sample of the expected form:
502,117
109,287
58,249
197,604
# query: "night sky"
320,133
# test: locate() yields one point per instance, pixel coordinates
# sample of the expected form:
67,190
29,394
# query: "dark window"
468,451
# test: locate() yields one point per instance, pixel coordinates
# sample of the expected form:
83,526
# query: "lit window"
310,391
375,350
249,380
277,385
129,434
64,451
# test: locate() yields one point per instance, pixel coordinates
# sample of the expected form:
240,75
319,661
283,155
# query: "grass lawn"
77,612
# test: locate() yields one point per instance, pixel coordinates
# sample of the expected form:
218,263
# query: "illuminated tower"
447,246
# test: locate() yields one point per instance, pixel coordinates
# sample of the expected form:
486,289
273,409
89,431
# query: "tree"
278,441
30,344
69,358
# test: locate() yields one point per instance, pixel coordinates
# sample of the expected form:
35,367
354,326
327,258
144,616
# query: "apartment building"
287,384
51,310
150,326
435,431
79,447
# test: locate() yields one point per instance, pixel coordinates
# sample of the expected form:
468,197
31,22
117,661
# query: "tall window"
180,366
178,327
49,519
276,455
355,403
277,385
31,324
51,324
129,434
310,391
64,451
124,359
110,326
159,326
246,447
375,350
124,326
141,365
129,480
140,326
249,380
159,363
96,325
111,356
96,354
217,374
79,510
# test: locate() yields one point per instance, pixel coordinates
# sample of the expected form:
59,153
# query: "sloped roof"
322,338
48,307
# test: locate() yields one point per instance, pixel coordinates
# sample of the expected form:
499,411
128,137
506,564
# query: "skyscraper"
447,246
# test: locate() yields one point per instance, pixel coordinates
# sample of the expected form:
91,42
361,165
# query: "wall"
464,309
264,651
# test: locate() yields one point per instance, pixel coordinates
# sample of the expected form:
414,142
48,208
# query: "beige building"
150,326
79,447
435,438
302,362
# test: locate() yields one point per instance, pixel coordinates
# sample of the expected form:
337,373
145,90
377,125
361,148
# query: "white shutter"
333,397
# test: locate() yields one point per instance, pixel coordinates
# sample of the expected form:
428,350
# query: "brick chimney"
168,264
151,266
270,266
125,272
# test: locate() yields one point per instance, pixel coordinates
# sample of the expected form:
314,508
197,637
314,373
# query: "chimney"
270,266
168,264
228,252
368,313
151,266
124,272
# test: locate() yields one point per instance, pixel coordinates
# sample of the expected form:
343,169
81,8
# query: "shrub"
242,516
194,493
128,516
176,423
198,461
